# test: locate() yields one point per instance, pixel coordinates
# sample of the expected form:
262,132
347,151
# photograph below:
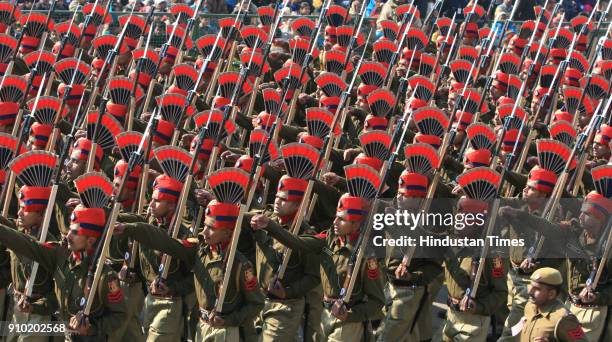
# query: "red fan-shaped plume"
272,100
172,107
34,168
362,181
94,189
376,144
334,62
253,36
213,119
344,34
563,132
423,87
444,25
578,61
416,39
383,50
336,15
107,131
381,102
174,161
527,29
421,158
505,113
150,59
266,15
602,178
46,109
598,87
12,88
579,21
44,59
8,144
36,24
179,34
606,49
8,45
430,121
470,101
427,64
319,122
226,25
303,26
476,10
483,33
469,53
572,96
331,84
207,43
390,29
605,68
185,75
182,12
544,13
372,73
479,183
546,75
300,160
67,67
290,73
509,63
299,50
407,9
120,90
564,39
229,184
97,13
257,141
228,82
481,136
135,26
128,143
255,59
553,155
70,28
103,44
8,14
461,71
514,86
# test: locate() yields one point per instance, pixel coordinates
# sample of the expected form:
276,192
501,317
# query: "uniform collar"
78,257
547,309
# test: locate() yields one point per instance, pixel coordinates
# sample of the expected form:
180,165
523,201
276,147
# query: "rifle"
593,279
190,22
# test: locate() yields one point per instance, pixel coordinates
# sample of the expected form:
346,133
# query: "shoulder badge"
115,293
372,269
498,267
250,282
576,334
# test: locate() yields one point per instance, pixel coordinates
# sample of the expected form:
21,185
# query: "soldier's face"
125,194
161,208
282,206
591,224
214,236
76,242
28,219
495,92
532,195
75,166
343,226
541,294
601,151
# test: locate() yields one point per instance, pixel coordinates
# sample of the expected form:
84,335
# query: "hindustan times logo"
410,220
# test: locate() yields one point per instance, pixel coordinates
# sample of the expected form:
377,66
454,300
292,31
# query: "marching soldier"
205,256
35,174
70,261
468,317
341,322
